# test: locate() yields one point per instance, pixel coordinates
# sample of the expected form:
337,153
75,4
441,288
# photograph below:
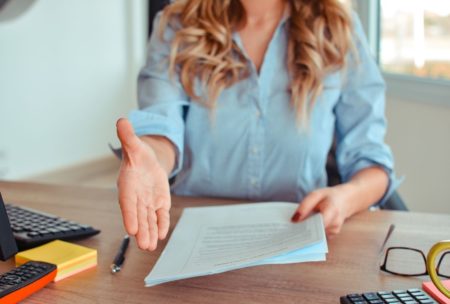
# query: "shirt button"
255,150
258,114
254,181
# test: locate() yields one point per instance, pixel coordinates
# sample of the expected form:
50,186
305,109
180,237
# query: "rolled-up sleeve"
161,99
360,117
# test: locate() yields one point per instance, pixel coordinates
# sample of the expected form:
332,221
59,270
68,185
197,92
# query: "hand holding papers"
209,240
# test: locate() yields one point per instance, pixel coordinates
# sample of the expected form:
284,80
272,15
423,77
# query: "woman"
242,99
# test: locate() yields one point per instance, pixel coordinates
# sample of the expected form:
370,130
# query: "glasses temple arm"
388,235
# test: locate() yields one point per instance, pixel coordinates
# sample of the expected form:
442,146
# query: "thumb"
126,135
307,205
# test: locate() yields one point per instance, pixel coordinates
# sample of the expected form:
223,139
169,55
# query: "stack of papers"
69,258
210,240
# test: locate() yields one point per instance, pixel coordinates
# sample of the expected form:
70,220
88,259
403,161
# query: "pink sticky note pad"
435,293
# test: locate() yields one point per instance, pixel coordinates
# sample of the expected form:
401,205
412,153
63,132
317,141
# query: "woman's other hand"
338,203
144,192
330,202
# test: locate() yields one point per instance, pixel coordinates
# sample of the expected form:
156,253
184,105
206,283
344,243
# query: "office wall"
67,71
419,134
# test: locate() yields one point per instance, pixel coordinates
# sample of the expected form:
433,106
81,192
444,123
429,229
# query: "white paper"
210,240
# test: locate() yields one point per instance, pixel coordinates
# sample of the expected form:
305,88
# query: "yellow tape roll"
431,265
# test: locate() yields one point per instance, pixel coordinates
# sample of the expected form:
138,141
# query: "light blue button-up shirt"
252,147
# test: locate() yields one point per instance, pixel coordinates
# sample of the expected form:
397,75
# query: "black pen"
120,256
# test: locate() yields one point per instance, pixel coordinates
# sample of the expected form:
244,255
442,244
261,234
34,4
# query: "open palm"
144,193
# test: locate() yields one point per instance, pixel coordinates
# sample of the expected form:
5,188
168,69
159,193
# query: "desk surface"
351,266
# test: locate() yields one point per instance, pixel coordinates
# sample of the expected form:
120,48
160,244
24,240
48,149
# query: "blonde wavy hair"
320,36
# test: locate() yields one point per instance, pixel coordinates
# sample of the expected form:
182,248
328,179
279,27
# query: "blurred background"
68,70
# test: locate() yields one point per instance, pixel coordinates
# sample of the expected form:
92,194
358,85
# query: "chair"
154,7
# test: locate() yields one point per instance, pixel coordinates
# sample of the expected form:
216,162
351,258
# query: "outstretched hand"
143,186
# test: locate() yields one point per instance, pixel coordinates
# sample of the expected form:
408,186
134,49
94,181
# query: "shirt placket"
255,143
258,86
260,90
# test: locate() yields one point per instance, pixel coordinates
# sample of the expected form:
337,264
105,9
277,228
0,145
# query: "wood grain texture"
351,266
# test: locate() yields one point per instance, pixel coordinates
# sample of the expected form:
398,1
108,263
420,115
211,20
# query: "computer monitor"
8,246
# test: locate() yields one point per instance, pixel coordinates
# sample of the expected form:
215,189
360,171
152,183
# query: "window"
411,41
415,38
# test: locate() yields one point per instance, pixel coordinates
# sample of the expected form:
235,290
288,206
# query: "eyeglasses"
407,261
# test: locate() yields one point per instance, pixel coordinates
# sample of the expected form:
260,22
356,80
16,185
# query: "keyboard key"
16,228
387,296
370,296
11,279
33,234
415,290
355,297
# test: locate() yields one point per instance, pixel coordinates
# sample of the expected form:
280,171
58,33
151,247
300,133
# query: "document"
209,240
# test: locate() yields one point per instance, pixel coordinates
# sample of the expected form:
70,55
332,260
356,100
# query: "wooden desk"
351,266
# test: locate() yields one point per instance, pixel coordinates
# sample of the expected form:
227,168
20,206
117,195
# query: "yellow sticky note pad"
69,258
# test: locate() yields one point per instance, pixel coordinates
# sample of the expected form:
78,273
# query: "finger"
143,235
330,218
128,207
307,205
330,234
153,229
332,231
126,135
163,223
328,213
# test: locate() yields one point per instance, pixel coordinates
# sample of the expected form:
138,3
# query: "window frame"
402,86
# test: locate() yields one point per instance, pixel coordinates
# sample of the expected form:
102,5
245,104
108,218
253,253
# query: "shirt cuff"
146,123
393,182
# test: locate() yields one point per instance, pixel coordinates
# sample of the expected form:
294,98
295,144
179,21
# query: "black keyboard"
409,296
32,228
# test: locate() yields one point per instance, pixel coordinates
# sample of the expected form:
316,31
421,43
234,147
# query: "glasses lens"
444,267
405,261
